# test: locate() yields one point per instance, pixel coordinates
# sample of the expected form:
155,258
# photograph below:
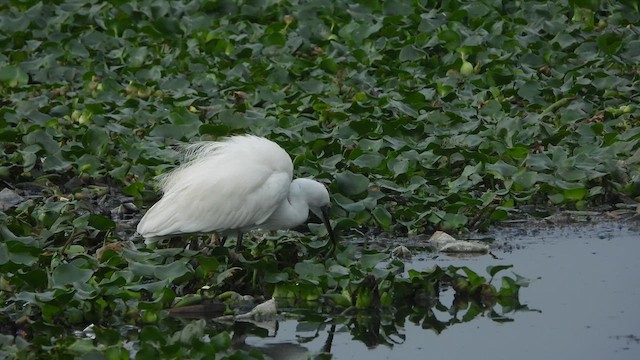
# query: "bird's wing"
223,192
207,208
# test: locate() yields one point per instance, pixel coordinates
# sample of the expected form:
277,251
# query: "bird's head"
316,194
317,197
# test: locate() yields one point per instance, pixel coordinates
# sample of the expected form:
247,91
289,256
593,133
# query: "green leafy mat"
421,115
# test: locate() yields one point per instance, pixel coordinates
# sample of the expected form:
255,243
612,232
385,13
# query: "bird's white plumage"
237,184
232,184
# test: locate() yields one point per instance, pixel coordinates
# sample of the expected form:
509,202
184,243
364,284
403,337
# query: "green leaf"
398,166
95,140
221,341
540,162
208,264
526,179
530,91
67,274
18,252
273,278
339,299
55,163
13,75
352,184
137,56
172,270
274,39
329,65
588,4
383,217
312,86
338,270
369,261
502,169
451,38
309,269
217,130
4,254
101,223
609,43
369,160
174,131
493,270
455,221
575,194
81,346
411,53
556,198
348,204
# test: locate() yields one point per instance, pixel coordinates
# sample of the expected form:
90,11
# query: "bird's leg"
239,241
332,236
222,240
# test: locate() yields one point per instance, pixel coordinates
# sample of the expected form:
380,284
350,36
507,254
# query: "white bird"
233,186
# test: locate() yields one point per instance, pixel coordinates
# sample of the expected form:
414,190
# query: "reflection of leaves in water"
373,302
420,304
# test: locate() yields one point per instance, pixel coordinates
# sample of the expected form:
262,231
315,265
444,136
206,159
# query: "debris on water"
401,252
237,301
88,332
9,199
444,242
262,315
215,308
262,311
625,212
570,217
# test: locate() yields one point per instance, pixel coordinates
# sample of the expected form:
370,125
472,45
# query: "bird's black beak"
327,224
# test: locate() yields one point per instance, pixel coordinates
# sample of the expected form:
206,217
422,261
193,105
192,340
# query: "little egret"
232,186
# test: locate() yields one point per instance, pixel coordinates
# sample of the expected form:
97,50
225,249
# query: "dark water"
584,294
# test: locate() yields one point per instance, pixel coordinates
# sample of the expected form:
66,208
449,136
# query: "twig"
558,104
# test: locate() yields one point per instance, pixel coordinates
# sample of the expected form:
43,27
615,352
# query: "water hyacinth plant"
421,115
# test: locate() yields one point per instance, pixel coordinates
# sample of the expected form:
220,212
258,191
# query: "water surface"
583,298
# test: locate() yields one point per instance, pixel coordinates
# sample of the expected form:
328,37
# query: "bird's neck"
293,211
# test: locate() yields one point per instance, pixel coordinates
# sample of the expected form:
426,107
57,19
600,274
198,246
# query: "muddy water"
584,301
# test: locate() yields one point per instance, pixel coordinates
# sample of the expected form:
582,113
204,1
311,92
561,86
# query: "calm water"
584,294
